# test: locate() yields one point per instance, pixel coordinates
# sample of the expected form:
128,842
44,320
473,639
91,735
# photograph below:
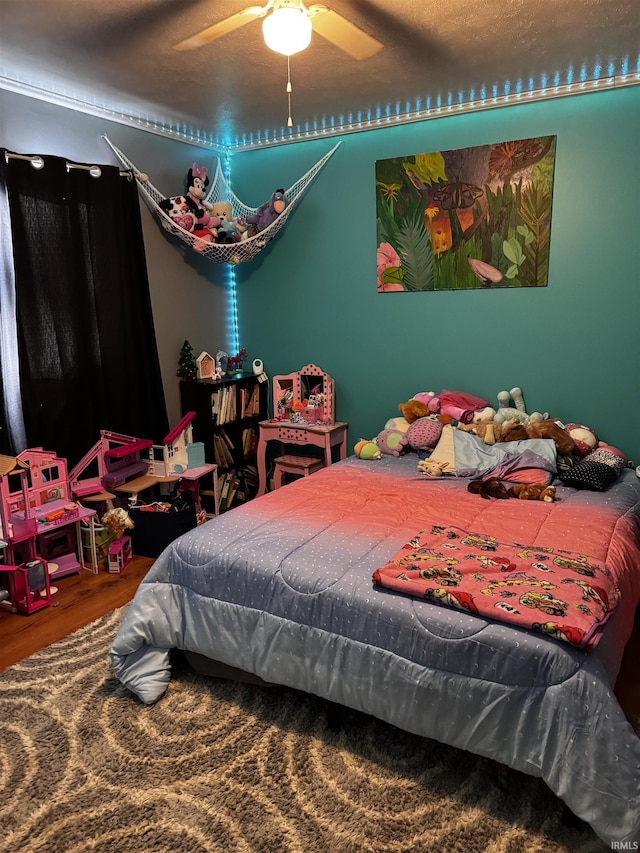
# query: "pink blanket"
560,593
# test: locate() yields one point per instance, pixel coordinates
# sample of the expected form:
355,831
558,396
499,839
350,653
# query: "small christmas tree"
186,362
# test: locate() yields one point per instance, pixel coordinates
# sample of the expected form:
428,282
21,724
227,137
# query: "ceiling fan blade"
214,32
343,33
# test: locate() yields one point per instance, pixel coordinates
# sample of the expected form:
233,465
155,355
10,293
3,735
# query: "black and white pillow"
595,472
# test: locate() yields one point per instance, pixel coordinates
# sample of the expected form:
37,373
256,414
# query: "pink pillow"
529,475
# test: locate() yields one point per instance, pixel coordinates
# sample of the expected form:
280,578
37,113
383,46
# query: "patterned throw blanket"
559,593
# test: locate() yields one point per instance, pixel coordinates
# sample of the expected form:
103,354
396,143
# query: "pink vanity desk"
326,436
311,393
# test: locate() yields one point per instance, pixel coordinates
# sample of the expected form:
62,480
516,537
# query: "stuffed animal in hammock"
197,183
232,229
267,213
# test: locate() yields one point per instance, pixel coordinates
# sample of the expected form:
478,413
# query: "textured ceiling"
118,54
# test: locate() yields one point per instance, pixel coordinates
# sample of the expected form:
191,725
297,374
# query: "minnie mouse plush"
197,183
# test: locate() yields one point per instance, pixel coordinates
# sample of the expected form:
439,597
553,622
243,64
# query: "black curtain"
86,341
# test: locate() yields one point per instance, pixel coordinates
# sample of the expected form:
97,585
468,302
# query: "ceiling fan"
330,25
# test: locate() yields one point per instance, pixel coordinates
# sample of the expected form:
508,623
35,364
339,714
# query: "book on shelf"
230,482
223,404
222,451
215,405
226,439
250,401
250,480
233,490
249,441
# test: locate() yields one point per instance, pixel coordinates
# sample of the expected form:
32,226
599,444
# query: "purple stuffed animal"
267,213
392,442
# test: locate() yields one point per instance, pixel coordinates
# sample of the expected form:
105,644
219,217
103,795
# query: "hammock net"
218,190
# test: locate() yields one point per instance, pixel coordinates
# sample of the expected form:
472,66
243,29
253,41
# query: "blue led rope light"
232,322
548,86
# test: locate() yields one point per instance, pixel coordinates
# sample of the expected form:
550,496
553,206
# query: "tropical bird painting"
465,218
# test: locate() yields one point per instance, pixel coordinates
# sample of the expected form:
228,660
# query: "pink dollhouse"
40,524
130,465
177,453
114,459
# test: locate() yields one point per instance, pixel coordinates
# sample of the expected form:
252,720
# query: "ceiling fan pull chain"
289,120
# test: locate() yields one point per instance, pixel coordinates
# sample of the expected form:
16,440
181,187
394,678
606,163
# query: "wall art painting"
465,219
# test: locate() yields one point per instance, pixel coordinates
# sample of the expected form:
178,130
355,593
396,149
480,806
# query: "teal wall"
573,346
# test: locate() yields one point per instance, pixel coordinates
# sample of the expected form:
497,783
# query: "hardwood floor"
85,597
80,599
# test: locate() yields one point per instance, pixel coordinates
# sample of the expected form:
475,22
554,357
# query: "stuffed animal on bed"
424,434
492,487
401,424
432,468
533,492
413,409
393,442
584,438
518,411
367,449
492,431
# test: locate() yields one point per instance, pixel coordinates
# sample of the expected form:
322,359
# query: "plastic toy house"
172,456
113,460
182,460
39,522
131,465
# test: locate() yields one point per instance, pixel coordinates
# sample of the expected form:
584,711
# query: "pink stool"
298,466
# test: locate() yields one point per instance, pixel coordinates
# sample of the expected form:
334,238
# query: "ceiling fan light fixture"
287,30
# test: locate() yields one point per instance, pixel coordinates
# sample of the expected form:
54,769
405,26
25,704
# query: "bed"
283,589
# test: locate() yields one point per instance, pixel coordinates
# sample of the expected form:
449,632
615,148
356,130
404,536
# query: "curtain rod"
38,163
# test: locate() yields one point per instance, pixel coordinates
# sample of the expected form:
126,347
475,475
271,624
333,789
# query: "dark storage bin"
153,531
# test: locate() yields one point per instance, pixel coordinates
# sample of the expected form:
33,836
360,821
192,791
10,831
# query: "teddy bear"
533,492
507,413
413,409
232,229
367,449
492,431
512,430
267,213
393,442
550,428
492,487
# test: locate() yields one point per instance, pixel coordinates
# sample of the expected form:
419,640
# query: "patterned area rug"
219,766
